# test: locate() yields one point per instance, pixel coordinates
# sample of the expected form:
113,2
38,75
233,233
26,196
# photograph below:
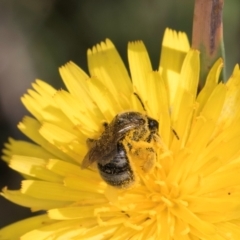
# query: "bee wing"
122,131
105,149
86,161
101,155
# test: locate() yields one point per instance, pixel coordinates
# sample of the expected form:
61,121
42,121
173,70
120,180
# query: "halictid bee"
129,134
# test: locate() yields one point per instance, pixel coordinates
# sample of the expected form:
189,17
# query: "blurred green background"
38,36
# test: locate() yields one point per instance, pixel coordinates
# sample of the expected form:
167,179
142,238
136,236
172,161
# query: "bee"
129,133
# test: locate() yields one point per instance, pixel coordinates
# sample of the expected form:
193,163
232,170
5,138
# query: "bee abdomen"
118,172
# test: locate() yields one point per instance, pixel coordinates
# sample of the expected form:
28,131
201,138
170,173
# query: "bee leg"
145,154
105,124
90,142
150,160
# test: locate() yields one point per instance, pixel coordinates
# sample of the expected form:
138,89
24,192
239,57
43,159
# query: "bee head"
152,124
129,118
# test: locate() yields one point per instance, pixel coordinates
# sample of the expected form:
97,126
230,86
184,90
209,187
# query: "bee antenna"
175,133
140,100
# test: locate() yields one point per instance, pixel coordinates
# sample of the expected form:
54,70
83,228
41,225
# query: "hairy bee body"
117,172
128,133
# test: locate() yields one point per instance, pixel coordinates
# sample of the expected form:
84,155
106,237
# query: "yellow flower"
193,191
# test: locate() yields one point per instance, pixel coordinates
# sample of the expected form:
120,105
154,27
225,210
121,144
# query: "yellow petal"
25,149
76,112
72,212
34,167
210,84
54,191
157,104
140,67
222,205
230,110
55,230
105,64
29,126
35,204
16,230
38,101
104,99
219,180
75,80
63,168
189,217
188,81
174,48
214,105
229,230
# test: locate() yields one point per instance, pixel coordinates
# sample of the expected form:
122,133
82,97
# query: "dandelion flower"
193,191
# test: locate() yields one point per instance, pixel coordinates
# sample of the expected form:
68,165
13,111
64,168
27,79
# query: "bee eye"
152,124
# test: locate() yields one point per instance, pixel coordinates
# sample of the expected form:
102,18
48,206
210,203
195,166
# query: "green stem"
207,34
